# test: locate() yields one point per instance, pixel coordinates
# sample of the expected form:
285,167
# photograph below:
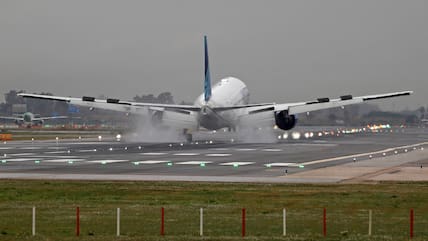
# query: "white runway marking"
193,162
55,152
236,163
245,149
56,156
22,154
153,153
107,161
281,164
20,159
5,148
186,154
151,162
30,148
64,160
272,150
90,150
218,154
56,147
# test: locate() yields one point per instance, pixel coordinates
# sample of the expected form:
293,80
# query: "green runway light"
169,164
136,163
301,166
3,161
103,162
235,165
70,162
268,165
37,161
202,164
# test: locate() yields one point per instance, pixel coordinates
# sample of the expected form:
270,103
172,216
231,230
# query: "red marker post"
411,222
243,222
162,231
324,227
77,221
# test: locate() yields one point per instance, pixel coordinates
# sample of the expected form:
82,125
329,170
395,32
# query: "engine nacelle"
285,121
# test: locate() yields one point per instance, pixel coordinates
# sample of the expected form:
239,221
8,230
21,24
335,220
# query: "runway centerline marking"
22,154
64,160
272,150
153,153
30,148
187,154
107,161
236,163
218,154
151,162
281,164
193,162
245,149
90,150
20,159
55,152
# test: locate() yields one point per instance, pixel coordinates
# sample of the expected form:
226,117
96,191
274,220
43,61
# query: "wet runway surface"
213,156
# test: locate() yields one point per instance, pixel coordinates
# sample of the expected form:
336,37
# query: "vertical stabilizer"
207,81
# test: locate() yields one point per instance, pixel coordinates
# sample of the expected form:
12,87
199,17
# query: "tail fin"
207,81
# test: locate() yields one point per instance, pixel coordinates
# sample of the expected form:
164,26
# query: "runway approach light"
118,137
110,149
422,148
279,137
306,135
285,136
395,152
231,140
139,147
295,135
100,138
126,148
32,139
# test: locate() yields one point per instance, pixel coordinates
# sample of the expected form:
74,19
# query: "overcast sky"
284,51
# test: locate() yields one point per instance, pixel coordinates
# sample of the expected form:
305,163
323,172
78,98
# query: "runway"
213,157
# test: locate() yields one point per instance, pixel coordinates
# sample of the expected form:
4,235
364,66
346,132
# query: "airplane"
29,119
223,105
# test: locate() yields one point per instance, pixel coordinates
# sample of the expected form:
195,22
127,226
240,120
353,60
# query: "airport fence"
213,221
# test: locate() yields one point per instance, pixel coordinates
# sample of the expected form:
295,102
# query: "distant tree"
165,98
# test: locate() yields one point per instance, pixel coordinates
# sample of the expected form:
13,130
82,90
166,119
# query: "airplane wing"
180,116
326,103
11,118
49,118
263,115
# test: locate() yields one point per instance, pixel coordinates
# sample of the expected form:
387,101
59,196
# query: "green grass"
140,202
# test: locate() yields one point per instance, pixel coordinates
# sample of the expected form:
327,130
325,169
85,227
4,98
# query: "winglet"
207,81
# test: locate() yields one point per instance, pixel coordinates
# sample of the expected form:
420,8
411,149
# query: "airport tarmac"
319,158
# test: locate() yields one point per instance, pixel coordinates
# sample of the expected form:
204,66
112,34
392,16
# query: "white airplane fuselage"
229,91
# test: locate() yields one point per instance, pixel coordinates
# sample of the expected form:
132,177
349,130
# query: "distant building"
19,108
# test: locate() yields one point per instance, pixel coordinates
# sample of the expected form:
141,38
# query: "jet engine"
285,121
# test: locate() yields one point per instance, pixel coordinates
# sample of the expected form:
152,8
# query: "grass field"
140,202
